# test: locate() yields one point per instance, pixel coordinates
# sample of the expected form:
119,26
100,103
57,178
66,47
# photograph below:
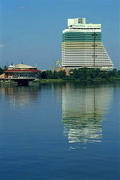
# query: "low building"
2,76
21,71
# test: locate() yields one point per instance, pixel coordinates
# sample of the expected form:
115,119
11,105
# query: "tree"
44,75
61,74
1,70
118,73
5,68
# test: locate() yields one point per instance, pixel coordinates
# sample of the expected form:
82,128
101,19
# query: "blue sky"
30,30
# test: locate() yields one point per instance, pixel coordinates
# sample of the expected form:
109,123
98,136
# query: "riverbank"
49,81
112,79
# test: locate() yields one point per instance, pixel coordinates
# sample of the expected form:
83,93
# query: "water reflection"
82,112
20,96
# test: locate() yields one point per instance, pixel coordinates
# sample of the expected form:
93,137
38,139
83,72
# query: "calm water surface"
60,132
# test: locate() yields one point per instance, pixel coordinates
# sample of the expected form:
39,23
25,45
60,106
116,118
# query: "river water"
60,132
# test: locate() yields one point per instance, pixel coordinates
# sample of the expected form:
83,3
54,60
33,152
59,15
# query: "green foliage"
61,74
118,72
82,74
44,75
1,70
94,74
5,68
53,74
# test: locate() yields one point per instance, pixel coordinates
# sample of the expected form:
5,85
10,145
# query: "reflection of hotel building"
82,112
82,46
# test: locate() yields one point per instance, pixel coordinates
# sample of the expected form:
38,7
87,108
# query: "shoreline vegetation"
83,75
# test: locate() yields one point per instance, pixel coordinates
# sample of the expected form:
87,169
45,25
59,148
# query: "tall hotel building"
82,46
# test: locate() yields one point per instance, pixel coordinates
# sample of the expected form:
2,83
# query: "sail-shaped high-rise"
82,46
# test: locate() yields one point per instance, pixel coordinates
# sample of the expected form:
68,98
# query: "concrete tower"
82,46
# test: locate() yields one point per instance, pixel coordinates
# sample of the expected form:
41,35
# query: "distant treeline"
84,74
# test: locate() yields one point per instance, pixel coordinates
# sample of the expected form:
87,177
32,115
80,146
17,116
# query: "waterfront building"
21,71
82,46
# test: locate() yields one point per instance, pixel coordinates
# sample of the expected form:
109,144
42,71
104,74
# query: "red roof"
22,70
